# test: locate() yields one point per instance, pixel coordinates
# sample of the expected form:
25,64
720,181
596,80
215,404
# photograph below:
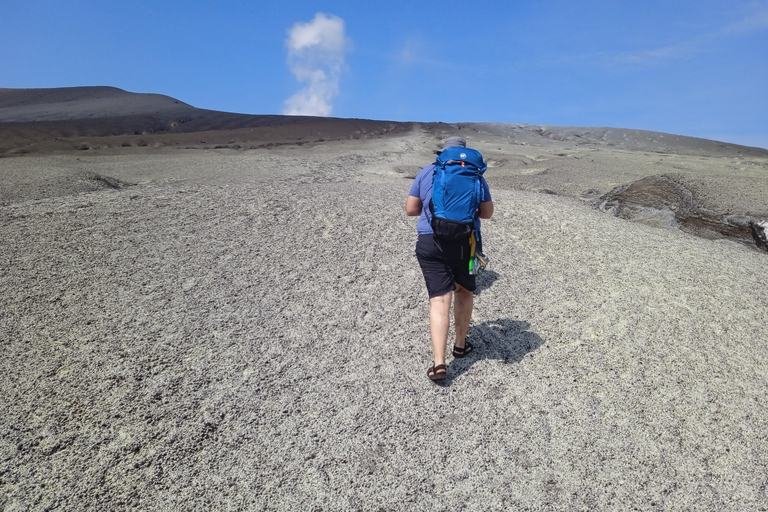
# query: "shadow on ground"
504,339
485,281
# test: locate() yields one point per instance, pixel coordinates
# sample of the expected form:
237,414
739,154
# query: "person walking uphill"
444,244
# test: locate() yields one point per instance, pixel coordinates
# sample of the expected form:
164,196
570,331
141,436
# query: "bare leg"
439,321
462,313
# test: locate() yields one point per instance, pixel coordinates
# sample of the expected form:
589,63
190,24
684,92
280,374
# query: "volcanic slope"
247,330
707,188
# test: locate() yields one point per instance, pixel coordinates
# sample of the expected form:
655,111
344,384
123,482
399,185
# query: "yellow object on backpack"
477,260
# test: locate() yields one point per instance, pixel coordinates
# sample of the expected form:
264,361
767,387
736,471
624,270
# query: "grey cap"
454,141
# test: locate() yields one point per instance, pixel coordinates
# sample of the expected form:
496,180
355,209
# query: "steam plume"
316,53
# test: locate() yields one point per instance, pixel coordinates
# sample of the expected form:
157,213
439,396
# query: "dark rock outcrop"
665,201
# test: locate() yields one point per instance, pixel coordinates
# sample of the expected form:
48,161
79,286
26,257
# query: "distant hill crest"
30,115
69,103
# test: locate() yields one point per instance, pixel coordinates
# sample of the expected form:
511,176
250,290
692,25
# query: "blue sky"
687,67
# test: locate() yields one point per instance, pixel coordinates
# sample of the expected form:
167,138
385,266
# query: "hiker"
445,264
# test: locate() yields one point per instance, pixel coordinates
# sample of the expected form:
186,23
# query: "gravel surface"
247,331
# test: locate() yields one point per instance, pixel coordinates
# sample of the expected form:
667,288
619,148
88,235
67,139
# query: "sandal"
462,351
433,374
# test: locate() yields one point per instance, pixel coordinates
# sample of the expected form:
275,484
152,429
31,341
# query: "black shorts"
444,265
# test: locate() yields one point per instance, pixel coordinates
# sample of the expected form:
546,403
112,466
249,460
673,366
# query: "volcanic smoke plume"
316,56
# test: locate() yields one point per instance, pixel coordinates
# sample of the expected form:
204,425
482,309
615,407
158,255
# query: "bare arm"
486,209
413,206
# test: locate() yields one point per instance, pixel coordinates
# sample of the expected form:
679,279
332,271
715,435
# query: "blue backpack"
456,193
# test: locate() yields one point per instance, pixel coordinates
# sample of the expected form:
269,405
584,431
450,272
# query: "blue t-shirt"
422,188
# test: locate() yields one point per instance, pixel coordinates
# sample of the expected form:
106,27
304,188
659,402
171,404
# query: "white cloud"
316,53
754,19
673,51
